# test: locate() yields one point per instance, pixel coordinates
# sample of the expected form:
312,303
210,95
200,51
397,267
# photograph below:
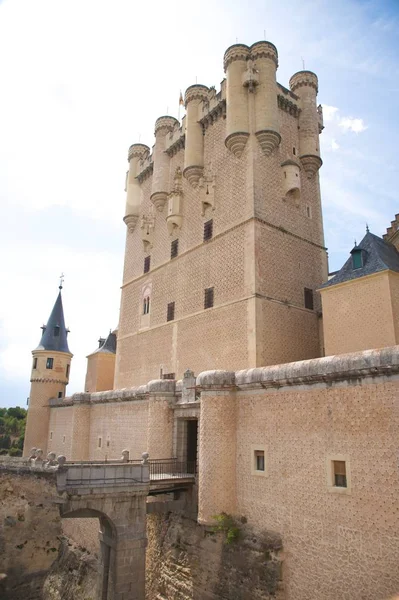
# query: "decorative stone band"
289,161
269,140
138,150
167,123
304,78
326,370
288,106
264,50
196,92
48,380
311,164
235,142
235,52
146,172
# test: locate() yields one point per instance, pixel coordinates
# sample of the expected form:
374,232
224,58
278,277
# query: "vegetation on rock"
12,430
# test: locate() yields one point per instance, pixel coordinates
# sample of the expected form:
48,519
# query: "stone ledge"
329,369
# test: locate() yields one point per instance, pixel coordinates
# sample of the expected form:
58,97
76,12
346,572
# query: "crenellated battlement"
304,78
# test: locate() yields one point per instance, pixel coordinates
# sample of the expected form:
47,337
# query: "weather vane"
61,280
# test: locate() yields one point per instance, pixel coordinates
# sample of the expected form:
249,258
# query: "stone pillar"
237,125
266,109
133,192
160,176
217,446
161,397
194,147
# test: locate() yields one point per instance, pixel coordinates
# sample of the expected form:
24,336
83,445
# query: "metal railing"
171,468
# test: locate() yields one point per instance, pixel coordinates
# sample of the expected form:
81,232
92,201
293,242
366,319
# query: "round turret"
305,85
137,152
265,57
194,147
160,178
237,122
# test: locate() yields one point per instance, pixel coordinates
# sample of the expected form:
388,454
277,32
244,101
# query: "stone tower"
49,377
225,246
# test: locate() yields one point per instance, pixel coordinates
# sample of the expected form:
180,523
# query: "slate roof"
55,333
378,255
108,346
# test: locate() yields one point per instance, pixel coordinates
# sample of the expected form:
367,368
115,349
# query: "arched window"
146,305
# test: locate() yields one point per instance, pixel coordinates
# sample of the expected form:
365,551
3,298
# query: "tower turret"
305,85
160,177
49,377
237,125
133,192
265,56
194,150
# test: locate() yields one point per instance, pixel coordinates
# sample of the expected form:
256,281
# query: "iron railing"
171,468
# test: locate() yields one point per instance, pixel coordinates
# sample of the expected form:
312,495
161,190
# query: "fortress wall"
120,426
61,430
370,324
394,287
335,545
287,333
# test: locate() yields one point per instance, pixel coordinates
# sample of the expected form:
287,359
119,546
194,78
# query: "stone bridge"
115,492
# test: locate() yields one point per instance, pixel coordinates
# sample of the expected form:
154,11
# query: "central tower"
225,246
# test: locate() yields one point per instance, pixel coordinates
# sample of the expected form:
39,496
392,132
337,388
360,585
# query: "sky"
81,80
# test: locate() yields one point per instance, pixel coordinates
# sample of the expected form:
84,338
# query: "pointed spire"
55,333
367,228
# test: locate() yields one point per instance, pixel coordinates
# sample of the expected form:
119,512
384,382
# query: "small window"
51,435
147,264
146,305
63,439
259,460
35,363
339,467
208,230
59,394
67,370
357,258
294,151
100,442
169,376
56,331
208,299
108,442
308,293
174,249
49,363
285,174
308,212
170,312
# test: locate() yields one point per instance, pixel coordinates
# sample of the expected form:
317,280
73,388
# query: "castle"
292,417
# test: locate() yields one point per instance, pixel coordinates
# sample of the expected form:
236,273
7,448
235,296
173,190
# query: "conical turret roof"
55,333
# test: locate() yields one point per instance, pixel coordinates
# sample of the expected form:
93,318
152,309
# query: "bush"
5,441
226,524
15,452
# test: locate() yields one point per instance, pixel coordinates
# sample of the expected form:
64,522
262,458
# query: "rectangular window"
108,442
308,293
170,312
357,259
168,376
99,442
174,248
56,331
63,439
146,305
51,435
259,460
208,230
208,299
67,370
147,264
294,151
49,363
339,467
35,363
59,394
308,212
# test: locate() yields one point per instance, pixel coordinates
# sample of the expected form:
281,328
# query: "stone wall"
30,532
185,561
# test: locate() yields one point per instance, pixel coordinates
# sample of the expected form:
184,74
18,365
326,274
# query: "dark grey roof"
378,255
55,333
108,346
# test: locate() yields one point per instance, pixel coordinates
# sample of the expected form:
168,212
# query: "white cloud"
351,124
334,145
329,112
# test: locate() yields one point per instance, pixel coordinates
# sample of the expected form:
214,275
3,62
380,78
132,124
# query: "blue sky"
82,80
